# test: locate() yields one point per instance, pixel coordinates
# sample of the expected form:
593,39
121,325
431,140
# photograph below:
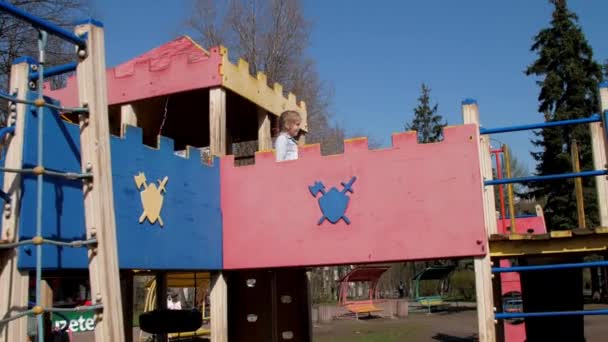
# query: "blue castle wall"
191,237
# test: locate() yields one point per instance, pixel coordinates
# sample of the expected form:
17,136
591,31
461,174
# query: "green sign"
74,321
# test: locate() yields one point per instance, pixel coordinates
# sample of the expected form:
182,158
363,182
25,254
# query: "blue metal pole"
42,24
6,130
546,177
592,118
5,197
54,71
549,267
504,315
41,47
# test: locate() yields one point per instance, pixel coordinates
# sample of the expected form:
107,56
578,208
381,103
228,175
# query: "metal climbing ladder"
540,264
27,79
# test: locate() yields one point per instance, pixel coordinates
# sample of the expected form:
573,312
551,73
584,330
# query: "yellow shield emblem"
151,198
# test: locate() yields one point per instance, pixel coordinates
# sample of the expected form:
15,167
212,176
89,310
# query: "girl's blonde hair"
288,117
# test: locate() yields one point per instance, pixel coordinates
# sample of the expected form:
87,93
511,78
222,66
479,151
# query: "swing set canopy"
364,273
434,273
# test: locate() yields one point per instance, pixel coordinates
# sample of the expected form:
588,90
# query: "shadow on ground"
450,338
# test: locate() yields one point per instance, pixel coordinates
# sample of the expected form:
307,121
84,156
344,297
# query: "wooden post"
127,118
127,303
264,132
510,196
46,300
308,276
161,299
218,138
98,198
483,271
578,185
217,122
13,283
219,308
539,212
598,142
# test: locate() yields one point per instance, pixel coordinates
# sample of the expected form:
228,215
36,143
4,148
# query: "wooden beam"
309,300
578,185
598,143
13,283
161,299
219,308
581,244
46,300
127,118
98,198
302,139
264,131
217,122
127,303
483,271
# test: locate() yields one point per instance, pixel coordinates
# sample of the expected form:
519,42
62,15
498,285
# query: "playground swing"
439,273
153,319
369,274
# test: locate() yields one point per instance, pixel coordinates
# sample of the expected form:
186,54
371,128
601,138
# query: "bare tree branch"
18,38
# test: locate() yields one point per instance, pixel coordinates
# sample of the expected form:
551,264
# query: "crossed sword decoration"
140,180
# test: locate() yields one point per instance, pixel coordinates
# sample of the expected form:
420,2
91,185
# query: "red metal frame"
369,274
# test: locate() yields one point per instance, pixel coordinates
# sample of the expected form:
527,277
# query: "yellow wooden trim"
355,139
238,79
517,236
561,233
601,230
565,245
311,146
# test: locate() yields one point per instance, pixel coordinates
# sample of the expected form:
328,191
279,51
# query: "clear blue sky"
375,55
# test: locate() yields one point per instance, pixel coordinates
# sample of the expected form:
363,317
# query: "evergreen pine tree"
426,121
569,78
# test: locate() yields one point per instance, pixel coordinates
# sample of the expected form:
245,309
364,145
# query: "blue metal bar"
546,177
5,197
66,175
592,118
54,71
6,130
549,267
521,216
9,97
73,244
76,110
42,24
18,315
504,315
82,308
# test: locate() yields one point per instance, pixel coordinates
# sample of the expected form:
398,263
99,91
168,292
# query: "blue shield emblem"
333,203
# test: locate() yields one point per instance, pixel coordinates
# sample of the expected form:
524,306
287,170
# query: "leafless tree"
18,38
271,36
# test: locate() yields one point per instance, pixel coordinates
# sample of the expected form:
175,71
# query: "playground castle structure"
133,206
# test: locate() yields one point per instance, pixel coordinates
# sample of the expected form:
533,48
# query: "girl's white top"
286,147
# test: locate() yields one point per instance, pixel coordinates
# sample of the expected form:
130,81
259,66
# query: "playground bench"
360,308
